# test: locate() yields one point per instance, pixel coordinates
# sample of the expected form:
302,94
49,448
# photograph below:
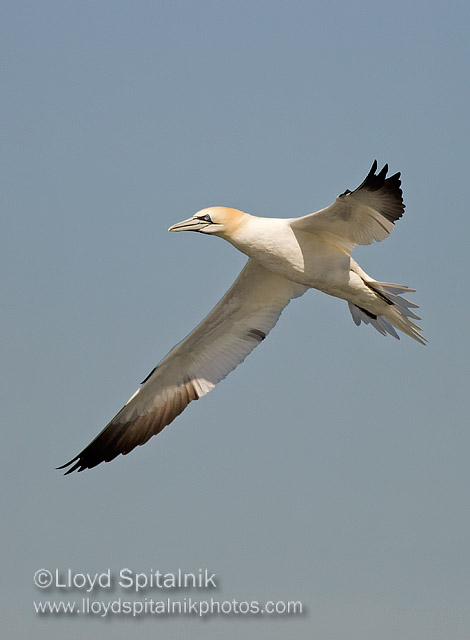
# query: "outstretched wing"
358,217
236,325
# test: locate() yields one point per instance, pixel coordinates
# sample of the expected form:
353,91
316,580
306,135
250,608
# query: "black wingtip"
67,464
392,206
382,173
76,467
82,462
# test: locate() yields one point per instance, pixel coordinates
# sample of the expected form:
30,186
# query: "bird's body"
300,256
287,256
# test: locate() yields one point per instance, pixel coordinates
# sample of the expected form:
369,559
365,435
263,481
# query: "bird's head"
219,221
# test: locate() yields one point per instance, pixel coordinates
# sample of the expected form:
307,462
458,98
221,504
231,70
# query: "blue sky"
332,466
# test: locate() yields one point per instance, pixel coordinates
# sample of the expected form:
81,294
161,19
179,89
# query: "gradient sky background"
332,466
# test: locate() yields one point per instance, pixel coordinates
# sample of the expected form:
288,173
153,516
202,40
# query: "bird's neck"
258,236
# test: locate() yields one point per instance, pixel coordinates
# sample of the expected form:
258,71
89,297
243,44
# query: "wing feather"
237,324
361,216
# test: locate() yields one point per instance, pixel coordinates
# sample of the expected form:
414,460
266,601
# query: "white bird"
287,256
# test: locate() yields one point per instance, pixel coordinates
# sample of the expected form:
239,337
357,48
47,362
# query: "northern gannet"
286,256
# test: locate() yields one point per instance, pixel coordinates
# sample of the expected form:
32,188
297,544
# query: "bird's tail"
399,314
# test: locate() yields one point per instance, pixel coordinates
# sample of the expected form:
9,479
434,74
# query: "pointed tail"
399,315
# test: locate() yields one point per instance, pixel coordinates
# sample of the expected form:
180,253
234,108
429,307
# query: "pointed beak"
191,224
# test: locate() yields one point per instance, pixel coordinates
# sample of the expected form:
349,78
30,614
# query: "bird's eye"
206,218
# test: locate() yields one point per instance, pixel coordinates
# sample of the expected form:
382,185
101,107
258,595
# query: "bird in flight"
286,256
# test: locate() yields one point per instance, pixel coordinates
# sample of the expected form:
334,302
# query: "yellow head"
219,221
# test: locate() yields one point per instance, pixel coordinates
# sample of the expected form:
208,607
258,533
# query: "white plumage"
286,257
